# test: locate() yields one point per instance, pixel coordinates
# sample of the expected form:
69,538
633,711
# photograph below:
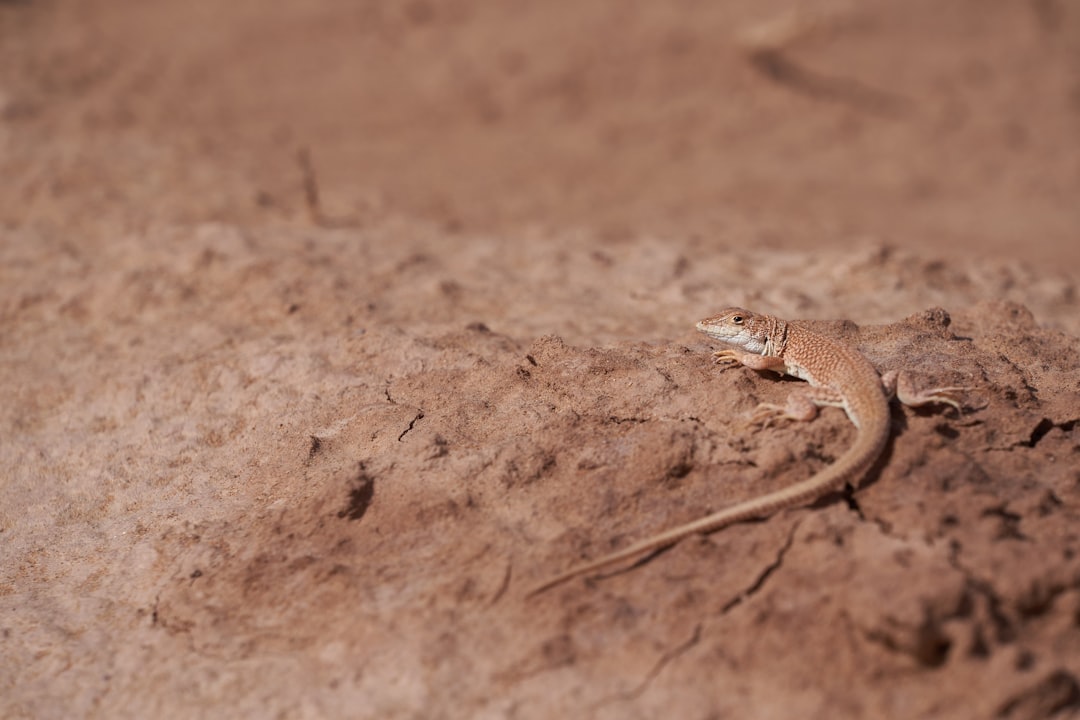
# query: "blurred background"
950,127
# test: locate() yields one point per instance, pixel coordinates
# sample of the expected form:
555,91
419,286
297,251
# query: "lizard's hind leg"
901,385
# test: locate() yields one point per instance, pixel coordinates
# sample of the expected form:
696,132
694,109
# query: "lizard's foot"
903,387
801,406
765,413
943,395
753,361
727,357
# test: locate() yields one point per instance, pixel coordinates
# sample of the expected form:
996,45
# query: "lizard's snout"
708,326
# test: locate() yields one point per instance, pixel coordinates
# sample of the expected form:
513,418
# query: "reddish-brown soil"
328,330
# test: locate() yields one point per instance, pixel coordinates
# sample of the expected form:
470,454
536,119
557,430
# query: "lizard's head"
737,327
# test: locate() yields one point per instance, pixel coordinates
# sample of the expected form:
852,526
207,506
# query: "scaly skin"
838,376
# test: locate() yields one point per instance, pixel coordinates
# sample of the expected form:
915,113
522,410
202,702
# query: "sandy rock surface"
317,474
292,448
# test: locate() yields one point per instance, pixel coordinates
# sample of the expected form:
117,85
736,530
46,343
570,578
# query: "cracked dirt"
295,439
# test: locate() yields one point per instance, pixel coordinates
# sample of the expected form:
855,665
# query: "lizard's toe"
765,413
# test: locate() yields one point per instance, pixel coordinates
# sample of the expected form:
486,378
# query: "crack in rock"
759,582
661,662
412,423
1042,428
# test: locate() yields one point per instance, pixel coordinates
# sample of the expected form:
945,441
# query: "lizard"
838,376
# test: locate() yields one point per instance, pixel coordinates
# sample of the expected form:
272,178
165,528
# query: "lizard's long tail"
850,467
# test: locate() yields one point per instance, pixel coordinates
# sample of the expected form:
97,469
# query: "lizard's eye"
737,319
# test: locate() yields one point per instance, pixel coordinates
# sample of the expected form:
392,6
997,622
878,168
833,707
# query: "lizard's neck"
776,337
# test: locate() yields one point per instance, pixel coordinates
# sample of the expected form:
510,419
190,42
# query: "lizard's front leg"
729,356
802,404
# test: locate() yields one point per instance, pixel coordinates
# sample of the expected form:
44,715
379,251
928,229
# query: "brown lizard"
839,376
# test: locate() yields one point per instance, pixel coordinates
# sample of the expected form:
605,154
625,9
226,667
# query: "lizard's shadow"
873,474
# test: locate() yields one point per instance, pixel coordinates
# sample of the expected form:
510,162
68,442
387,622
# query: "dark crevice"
412,423
884,526
655,670
1021,374
947,431
1009,528
1003,627
1043,427
852,501
361,493
1056,692
1040,596
774,65
759,582
930,646
679,470
632,420
979,647
316,445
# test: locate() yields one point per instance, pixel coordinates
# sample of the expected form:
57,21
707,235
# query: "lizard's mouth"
707,329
